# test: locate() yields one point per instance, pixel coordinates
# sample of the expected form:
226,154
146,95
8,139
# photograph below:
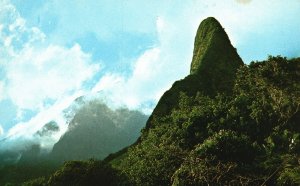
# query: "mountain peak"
213,68
213,49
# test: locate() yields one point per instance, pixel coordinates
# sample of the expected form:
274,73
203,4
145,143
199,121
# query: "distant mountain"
48,129
96,131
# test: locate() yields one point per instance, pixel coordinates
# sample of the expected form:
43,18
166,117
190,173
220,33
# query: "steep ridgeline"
214,65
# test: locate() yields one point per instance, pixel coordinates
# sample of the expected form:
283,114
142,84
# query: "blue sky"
53,51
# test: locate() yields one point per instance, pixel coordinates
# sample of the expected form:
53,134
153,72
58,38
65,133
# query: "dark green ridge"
214,64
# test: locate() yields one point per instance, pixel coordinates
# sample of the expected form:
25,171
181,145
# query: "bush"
90,173
228,146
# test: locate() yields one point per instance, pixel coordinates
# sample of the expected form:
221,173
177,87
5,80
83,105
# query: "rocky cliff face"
214,64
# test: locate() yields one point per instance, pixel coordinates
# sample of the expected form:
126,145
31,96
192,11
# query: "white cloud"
14,34
152,73
132,92
52,113
1,130
34,71
21,135
36,75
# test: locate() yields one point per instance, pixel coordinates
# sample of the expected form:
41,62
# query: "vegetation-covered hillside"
231,124
213,68
251,137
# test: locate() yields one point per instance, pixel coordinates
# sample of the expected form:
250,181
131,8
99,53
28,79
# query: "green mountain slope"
251,137
214,64
213,52
243,131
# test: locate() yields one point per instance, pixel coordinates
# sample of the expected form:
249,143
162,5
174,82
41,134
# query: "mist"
92,127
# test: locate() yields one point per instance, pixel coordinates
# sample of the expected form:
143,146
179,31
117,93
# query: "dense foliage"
214,57
16,174
92,173
251,137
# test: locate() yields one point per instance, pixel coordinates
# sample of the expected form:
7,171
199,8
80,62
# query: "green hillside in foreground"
225,124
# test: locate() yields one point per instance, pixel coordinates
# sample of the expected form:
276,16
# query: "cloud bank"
39,79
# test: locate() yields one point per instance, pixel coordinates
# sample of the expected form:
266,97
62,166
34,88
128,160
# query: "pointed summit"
215,62
213,50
